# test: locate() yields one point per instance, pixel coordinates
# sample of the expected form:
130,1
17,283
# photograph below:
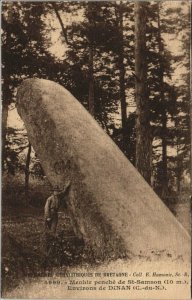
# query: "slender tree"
122,71
90,38
164,182
143,141
27,173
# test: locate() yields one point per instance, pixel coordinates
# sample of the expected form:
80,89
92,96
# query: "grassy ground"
24,240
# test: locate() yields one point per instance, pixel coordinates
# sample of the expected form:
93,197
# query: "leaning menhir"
111,205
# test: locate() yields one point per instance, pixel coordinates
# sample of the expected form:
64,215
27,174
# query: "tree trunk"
143,136
122,76
91,100
178,179
179,167
164,182
27,173
4,130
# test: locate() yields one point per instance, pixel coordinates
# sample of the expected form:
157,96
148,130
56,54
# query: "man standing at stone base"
51,209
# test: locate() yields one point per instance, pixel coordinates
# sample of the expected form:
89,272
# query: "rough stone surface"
111,205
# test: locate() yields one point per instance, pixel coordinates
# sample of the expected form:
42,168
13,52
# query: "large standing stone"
112,206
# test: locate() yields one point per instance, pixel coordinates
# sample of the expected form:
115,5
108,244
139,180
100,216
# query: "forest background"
89,49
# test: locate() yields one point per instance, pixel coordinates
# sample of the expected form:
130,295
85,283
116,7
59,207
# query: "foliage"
107,27
15,145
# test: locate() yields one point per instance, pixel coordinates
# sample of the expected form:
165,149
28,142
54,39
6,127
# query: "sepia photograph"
96,150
